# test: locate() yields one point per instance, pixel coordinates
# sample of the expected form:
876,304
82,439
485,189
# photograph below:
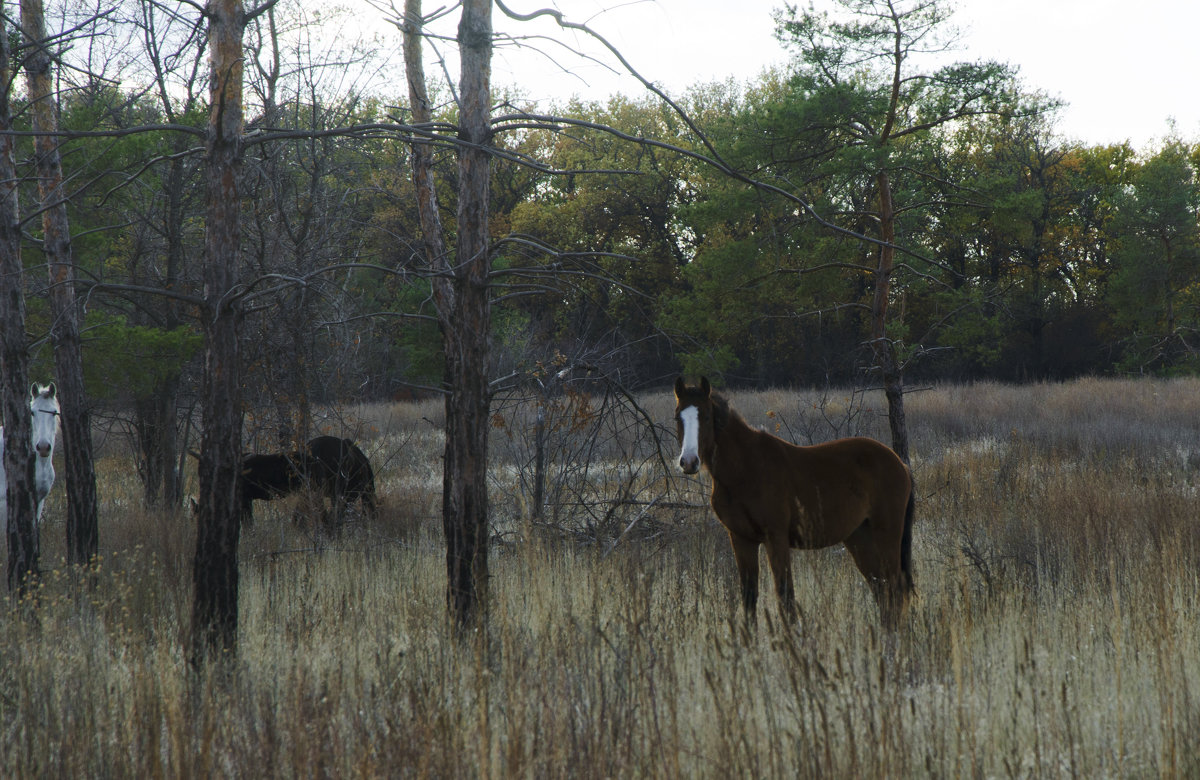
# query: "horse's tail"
369,493
906,539
367,475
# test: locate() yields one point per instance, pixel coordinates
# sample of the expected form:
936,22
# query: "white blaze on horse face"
689,456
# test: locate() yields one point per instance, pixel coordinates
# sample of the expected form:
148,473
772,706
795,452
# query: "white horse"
43,403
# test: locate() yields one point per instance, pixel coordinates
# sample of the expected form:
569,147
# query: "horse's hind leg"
370,507
878,558
892,601
779,556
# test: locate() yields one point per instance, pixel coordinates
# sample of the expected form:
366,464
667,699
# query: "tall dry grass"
1054,633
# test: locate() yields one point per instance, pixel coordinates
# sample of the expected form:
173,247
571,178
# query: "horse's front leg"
745,555
245,511
339,505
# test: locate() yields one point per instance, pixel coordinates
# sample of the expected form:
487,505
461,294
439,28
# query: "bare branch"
254,13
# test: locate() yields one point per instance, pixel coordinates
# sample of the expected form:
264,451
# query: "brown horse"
767,491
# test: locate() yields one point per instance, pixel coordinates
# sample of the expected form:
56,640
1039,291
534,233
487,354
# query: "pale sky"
1124,68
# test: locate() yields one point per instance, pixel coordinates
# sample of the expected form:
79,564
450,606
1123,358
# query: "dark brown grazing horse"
343,473
767,491
336,468
267,477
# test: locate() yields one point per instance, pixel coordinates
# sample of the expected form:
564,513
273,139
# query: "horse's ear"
679,387
33,390
52,389
705,387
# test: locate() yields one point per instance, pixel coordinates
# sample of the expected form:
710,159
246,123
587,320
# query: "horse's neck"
733,437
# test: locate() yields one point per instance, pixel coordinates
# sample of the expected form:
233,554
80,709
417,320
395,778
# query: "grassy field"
1056,629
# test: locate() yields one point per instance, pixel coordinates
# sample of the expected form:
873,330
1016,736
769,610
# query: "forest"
616,242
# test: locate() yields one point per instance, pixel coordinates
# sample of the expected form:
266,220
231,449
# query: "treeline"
624,244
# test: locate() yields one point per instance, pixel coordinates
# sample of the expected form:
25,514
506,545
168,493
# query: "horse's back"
334,453
342,460
326,448
838,484
862,457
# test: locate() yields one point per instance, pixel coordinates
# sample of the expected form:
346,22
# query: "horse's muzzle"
689,463
43,450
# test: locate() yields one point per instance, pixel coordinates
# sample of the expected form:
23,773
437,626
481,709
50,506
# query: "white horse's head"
44,403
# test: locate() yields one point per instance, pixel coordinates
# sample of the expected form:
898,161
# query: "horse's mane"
723,413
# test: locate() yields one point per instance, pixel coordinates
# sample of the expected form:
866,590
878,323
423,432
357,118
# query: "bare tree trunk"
539,461
469,327
462,298
167,393
215,569
885,350
14,357
156,418
82,533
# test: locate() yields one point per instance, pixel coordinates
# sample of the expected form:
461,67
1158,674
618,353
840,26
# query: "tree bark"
468,330
167,394
884,349
461,296
75,417
215,567
156,420
14,357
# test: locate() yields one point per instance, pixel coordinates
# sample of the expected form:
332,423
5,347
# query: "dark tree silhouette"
14,357
215,568
461,295
82,532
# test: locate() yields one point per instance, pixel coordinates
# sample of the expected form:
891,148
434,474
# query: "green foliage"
123,361
828,134
405,339
1155,290
600,241
1015,247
